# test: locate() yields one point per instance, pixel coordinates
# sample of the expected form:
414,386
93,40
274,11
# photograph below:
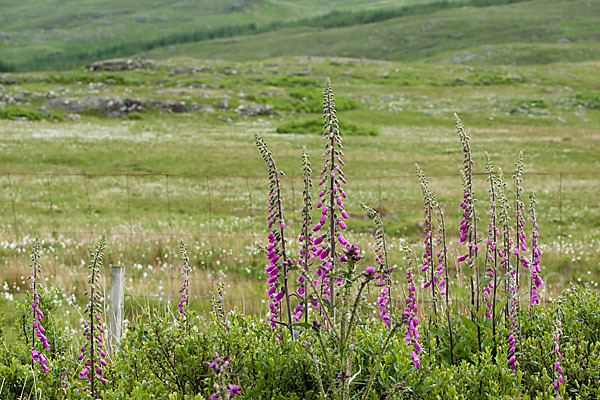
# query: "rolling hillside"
54,34
50,34
530,32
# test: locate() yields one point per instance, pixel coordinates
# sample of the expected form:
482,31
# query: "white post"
115,314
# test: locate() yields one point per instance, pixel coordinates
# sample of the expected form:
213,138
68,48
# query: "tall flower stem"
506,239
184,289
306,235
492,245
536,281
384,271
445,255
520,243
93,330
277,236
329,128
468,228
331,195
36,327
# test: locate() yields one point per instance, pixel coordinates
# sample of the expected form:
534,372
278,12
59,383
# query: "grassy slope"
35,28
523,33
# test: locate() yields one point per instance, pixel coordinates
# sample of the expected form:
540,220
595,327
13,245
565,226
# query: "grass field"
214,195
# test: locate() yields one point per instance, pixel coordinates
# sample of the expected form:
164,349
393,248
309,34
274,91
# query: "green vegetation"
588,99
315,126
564,31
153,363
539,109
48,36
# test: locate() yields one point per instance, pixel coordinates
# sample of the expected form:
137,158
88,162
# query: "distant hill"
42,34
529,32
53,34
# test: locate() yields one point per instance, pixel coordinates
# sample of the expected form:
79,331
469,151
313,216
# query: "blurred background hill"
62,34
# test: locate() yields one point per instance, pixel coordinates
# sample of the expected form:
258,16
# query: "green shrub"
153,363
292,81
135,116
13,112
315,126
588,99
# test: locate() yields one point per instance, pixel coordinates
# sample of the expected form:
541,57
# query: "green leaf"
303,325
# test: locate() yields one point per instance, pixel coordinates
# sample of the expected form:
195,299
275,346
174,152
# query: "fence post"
117,280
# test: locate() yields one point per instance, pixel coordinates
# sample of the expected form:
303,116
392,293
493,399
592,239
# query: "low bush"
13,112
588,99
315,126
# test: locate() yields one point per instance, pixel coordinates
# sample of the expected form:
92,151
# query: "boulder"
113,107
119,65
251,110
169,106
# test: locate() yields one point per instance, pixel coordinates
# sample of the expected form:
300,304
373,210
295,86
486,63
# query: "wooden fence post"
115,315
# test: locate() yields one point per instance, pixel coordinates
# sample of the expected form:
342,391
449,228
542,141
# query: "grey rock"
222,104
119,65
116,107
113,107
206,108
170,106
251,110
97,85
73,117
44,111
20,97
190,69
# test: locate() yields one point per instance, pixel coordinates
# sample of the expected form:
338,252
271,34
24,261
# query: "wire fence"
223,216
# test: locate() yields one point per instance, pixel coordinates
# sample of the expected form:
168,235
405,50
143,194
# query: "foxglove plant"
38,316
223,390
536,280
306,240
441,257
428,263
92,352
218,302
468,224
557,371
276,252
183,317
410,312
330,202
513,331
491,258
504,217
383,274
520,243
